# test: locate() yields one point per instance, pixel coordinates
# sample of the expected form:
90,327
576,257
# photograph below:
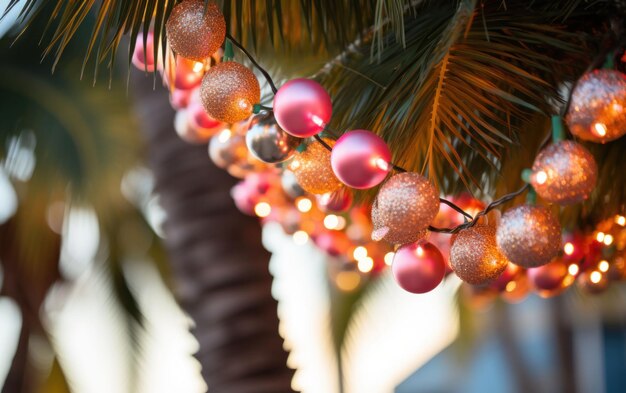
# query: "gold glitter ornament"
564,173
194,34
405,205
597,111
229,91
312,169
475,256
529,236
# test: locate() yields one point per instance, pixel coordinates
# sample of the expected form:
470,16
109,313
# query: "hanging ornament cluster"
299,173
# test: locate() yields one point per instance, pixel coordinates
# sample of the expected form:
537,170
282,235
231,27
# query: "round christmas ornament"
418,267
516,290
337,201
550,279
312,169
228,150
509,274
564,173
229,92
360,159
268,142
143,55
194,33
186,74
404,207
597,111
475,256
290,185
179,99
529,236
302,107
201,126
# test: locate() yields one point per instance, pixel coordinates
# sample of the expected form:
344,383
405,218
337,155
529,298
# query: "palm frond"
456,98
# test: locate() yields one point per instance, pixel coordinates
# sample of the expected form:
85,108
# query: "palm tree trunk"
219,264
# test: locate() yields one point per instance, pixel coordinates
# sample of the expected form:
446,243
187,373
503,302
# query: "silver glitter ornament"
597,111
564,173
405,205
229,92
268,142
193,33
475,256
529,236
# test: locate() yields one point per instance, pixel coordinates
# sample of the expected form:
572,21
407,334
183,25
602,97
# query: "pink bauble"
204,126
548,277
509,274
418,267
302,107
336,201
143,56
250,191
187,74
360,159
179,99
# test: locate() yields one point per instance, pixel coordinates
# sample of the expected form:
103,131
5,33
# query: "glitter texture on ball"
229,92
564,173
475,256
406,204
194,34
597,111
312,169
529,236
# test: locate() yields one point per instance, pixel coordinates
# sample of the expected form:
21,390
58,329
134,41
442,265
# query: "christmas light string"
528,236
470,220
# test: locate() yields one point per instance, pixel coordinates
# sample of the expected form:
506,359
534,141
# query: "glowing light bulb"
573,269
600,237
620,220
568,248
359,253
366,265
595,277
224,135
541,177
304,204
331,221
262,209
608,239
603,266
510,286
300,237
389,258
600,129
197,67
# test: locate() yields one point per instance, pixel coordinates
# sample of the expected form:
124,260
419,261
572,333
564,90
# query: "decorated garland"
298,172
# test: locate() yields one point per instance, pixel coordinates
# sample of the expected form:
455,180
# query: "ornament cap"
558,133
229,53
527,175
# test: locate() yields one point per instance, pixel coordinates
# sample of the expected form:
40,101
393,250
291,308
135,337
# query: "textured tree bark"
220,266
